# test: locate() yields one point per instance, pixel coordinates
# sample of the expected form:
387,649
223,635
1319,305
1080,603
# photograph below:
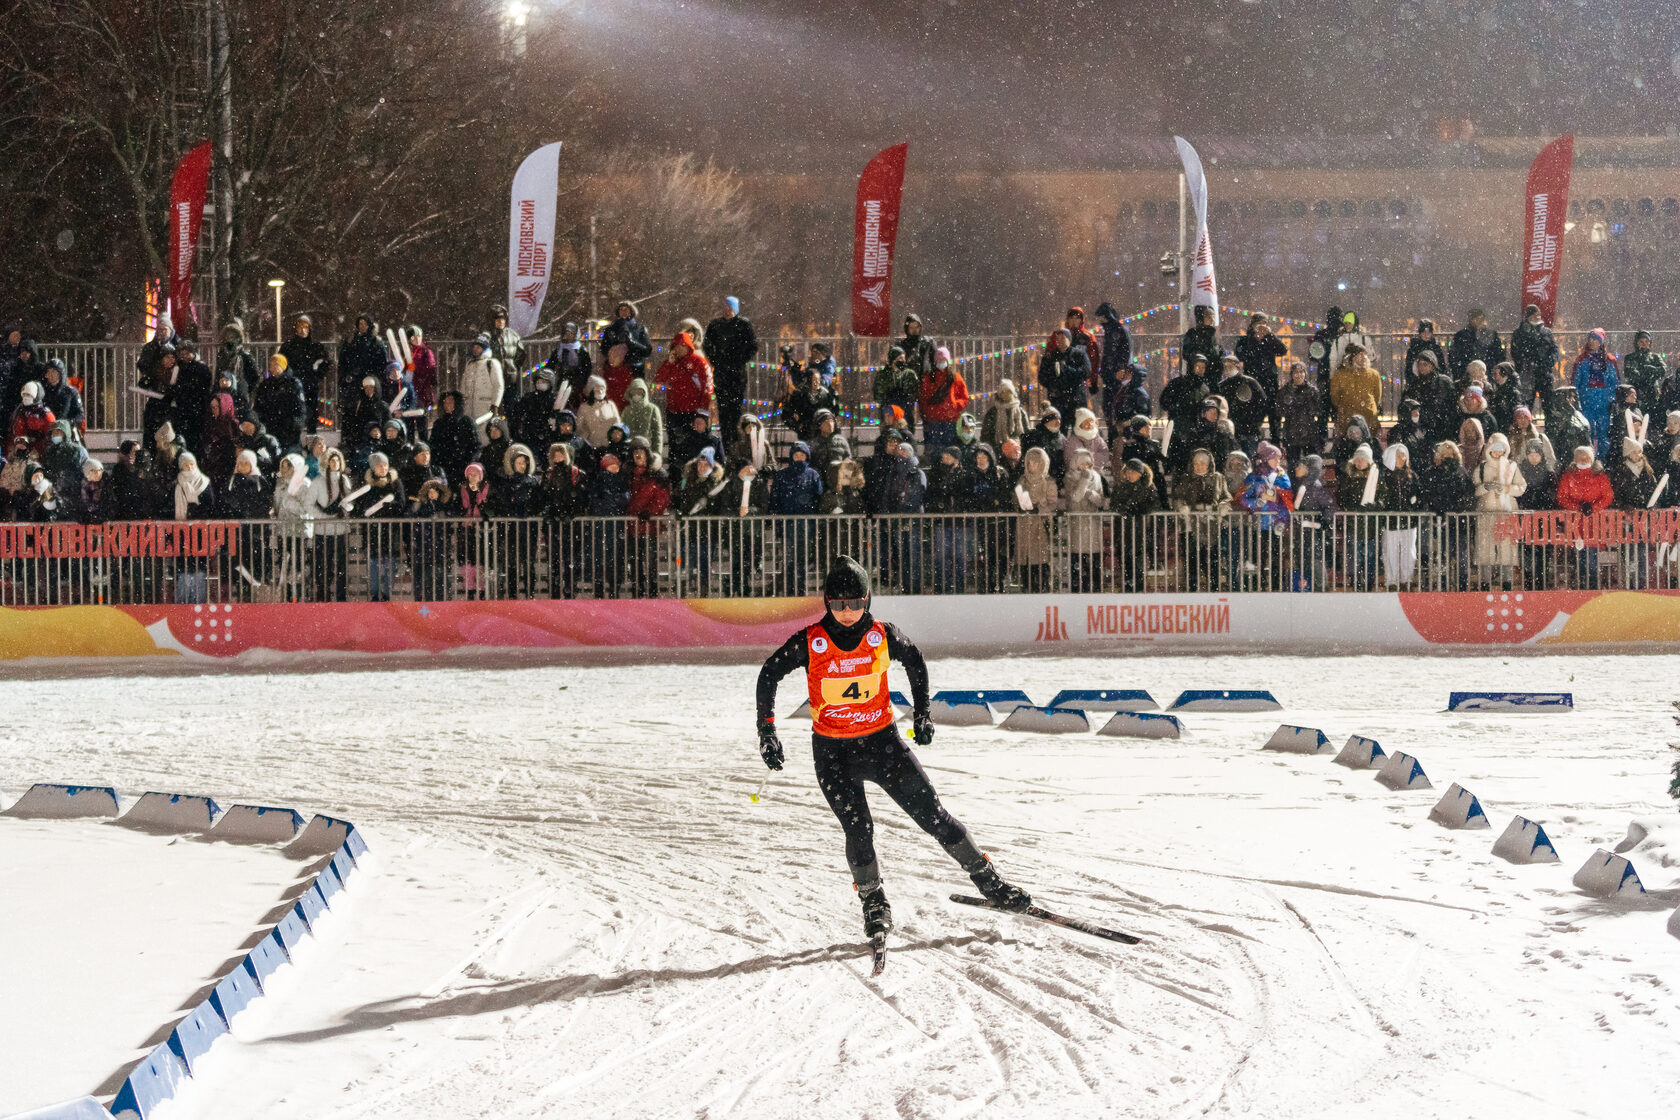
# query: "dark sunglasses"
848,604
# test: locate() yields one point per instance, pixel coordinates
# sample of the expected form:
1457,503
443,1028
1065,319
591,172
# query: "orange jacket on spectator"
944,394
687,380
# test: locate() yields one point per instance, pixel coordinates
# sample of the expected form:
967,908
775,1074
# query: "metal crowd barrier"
448,559
106,370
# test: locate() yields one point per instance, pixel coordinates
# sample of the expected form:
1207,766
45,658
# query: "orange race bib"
848,688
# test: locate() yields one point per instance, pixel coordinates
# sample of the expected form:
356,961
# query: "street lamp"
278,329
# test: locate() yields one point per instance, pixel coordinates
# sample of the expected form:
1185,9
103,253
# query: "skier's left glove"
769,744
921,729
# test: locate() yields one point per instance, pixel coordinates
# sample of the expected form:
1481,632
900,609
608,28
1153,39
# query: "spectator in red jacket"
33,419
1586,490
618,373
687,378
944,396
650,499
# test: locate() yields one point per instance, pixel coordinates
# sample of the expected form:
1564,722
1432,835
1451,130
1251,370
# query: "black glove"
921,729
769,745
1586,509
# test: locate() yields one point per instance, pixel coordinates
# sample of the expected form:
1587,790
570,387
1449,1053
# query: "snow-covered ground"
577,910
103,933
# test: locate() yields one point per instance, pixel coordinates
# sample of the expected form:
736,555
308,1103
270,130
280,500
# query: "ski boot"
992,885
877,914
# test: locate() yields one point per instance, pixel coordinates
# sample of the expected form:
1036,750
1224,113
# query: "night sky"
1040,84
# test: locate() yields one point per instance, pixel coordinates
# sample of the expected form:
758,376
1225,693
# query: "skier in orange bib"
854,737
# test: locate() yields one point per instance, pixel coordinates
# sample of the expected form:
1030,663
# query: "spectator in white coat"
596,414
481,382
1498,484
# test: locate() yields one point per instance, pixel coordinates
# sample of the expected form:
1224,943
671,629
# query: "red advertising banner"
1606,529
1546,204
1283,621
880,189
117,539
186,218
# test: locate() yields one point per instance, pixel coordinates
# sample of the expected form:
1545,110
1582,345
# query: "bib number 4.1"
848,690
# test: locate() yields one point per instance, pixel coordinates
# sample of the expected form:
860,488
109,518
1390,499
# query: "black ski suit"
882,757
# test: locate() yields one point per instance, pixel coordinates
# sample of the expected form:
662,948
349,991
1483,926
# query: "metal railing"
446,559
106,370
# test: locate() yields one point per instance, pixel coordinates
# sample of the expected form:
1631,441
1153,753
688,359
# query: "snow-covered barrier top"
1361,753
321,837
1054,721
964,711
1142,725
1458,808
1608,875
171,812
257,824
54,801
1003,700
1511,702
196,1033
1402,771
1297,740
1226,700
1525,841
1104,700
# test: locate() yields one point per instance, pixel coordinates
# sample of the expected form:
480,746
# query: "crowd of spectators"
593,430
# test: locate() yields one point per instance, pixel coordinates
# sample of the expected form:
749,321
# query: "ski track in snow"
575,909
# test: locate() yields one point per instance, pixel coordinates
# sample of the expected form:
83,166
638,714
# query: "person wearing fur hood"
1498,484
1086,436
1038,498
519,490
1004,418
643,417
703,478
749,444
845,497
596,413
1086,494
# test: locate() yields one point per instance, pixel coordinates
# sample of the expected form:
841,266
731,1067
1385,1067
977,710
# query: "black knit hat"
846,579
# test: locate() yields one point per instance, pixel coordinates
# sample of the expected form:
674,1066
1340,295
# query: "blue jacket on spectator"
1596,381
797,487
